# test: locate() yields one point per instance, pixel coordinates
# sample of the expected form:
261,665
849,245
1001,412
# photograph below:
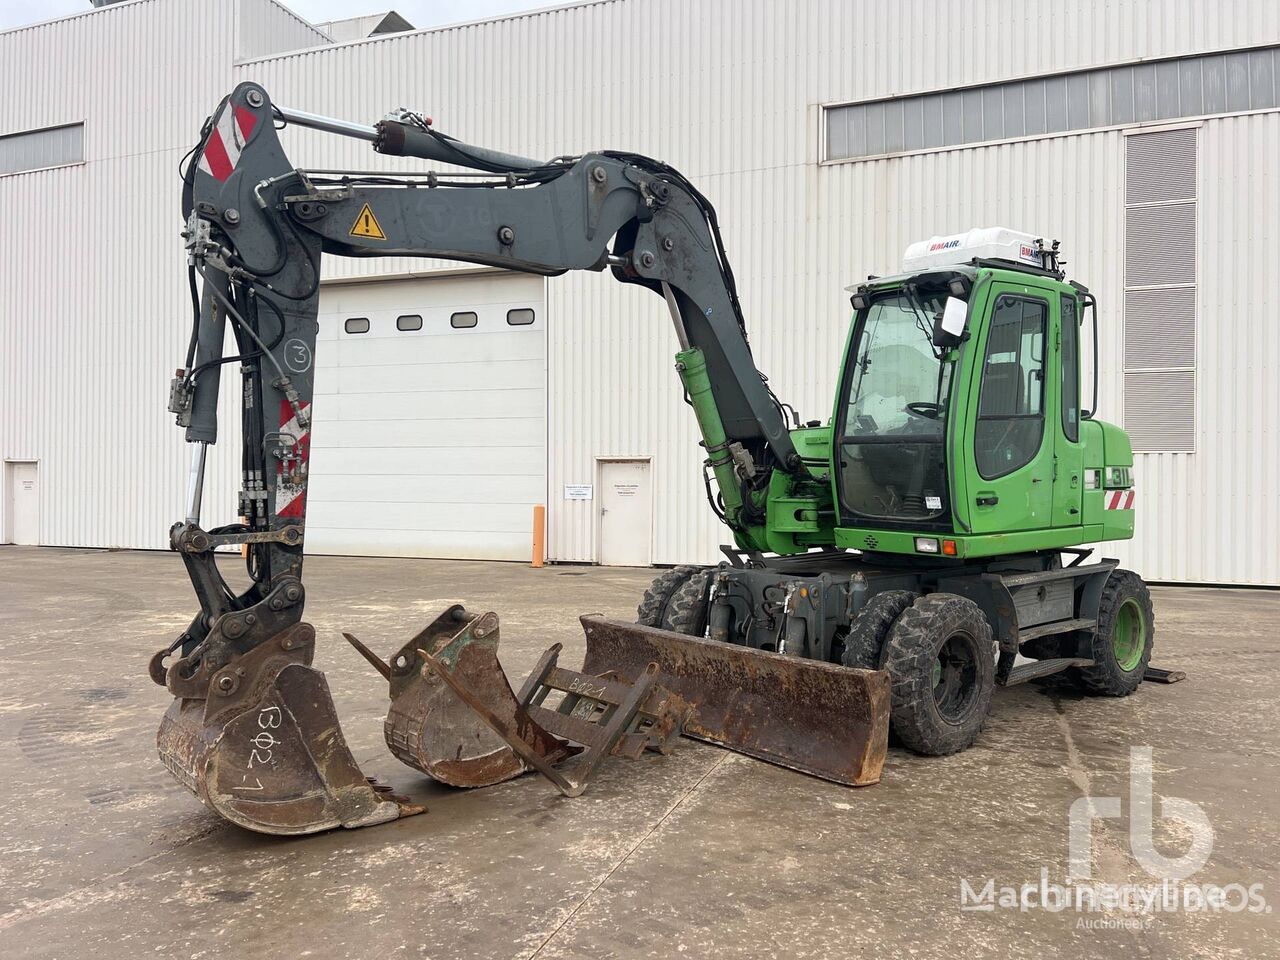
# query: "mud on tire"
864,642
941,667
653,606
1123,640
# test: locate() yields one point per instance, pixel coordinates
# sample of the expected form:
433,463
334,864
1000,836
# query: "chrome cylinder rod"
195,482
317,122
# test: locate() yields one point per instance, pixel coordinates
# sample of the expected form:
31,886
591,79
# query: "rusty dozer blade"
825,720
262,747
430,728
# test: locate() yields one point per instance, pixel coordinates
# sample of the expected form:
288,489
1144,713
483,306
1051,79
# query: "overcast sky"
421,13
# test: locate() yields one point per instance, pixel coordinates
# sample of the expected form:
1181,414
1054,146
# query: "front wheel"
687,611
941,663
1124,637
864,640
653,606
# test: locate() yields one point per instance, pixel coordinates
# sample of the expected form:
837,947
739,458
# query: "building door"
626,513
430,434
24,502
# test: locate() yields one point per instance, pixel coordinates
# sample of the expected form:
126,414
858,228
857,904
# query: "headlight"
926,545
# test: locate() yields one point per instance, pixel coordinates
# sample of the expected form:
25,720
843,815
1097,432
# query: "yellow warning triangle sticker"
367,225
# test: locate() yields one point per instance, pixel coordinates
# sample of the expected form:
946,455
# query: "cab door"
1009,451
1068,465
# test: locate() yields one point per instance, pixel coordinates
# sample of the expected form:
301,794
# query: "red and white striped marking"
226,141
1120,499
291,486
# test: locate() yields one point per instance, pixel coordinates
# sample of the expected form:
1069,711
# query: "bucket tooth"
264,749
828,721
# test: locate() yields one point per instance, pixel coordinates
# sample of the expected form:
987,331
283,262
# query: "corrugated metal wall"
264,27
94,314
730,92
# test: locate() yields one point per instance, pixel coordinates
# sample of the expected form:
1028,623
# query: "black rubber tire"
653,605
864,642
1106,678
687,611
913,647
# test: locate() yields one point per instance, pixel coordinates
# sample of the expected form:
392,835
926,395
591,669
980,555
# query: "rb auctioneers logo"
1136,902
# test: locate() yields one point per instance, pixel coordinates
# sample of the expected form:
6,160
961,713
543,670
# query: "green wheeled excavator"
927,532
890,566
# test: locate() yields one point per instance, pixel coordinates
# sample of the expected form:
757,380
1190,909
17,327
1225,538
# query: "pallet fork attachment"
454,716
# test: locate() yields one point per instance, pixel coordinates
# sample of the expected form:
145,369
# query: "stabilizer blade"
828,721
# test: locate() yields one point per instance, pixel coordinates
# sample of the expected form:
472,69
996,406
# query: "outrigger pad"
825,720
265,750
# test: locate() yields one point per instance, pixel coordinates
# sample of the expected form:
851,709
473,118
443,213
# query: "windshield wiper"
918,311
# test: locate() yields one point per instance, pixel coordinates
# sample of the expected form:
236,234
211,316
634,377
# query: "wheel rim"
955,677
1129,635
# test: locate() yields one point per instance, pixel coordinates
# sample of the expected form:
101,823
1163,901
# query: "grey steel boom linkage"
252,729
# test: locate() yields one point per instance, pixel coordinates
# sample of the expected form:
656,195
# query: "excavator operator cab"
958,419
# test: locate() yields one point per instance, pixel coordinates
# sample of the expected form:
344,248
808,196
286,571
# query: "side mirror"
949,325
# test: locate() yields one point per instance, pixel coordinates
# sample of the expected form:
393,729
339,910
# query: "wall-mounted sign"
577,491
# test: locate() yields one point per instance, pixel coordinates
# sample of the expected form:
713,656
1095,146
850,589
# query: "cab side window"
1010,425
1070,370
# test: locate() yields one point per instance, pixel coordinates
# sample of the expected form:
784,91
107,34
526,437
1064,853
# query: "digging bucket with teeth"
257,740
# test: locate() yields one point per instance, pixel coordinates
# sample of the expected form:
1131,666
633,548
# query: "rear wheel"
1122,643
942,670
653,606
864,642
687,611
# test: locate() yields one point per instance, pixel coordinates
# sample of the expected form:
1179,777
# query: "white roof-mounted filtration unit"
985,243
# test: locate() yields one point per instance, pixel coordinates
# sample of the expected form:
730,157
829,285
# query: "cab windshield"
897,391
898,387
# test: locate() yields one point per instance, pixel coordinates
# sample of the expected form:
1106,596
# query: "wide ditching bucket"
429,727
825,720
263,748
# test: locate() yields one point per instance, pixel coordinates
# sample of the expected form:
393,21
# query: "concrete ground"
700,854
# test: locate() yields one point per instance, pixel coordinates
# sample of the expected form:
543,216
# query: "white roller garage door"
430,428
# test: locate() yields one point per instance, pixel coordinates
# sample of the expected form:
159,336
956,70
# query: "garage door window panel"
356,325
1010,427
409,322
520,318
463,321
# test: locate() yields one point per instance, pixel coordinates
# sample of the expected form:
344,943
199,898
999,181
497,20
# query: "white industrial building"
1144,134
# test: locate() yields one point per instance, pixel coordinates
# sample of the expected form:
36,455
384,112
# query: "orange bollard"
539,534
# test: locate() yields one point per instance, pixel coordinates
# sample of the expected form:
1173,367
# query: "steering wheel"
925,410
